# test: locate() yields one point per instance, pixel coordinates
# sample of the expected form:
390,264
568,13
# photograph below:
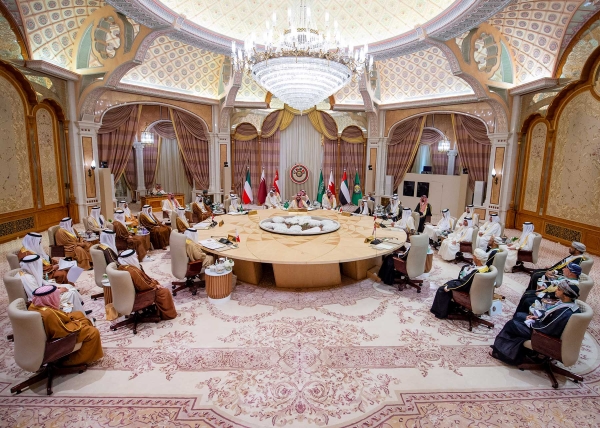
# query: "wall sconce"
494,175
225,164
91,168
370,167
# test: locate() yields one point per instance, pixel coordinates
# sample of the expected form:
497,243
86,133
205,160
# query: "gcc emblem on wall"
299,174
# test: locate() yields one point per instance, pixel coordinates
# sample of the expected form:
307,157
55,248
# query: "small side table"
218,286
110,311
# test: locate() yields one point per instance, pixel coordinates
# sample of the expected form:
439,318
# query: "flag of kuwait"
247,197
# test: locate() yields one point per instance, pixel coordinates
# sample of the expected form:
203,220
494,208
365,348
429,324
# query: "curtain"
245,155
402,148
330,152
352,155
131,172
165,129
116,136
151,155
171,173
422,158
474,147
437,160
300,143
193,143
269,155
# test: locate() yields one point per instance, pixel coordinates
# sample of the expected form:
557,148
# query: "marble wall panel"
535,165
48,162
15,175
574,191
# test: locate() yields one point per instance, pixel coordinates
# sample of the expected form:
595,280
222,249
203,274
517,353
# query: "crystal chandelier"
444,145
303,66
147,138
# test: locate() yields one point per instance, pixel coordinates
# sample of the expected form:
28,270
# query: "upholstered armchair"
528,256
55,250
564,349
173,219
34,352
13,260
129,302
14,289
586,265
585,286
467,247
99,268
181,266
414,265
477,301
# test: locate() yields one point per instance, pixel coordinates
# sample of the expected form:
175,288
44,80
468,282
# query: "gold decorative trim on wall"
16,226
499,167
88,157
561,232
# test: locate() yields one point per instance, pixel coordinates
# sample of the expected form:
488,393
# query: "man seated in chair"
406,222
451,244
75,246
96,220
392,210
128,262
550,319
298,202
363,206
135,242
194,249
488,232
443,296
46,301
129,218
32,245
525,243
273,200
576,256
108,246
32,278
329,202
387,272
159,233
468,213
169,205
181,222
200,209
234,206
443,227
158,190
305,198
546,287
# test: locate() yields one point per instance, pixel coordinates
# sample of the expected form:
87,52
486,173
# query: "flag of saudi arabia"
357,194
344,192
321,189
247,197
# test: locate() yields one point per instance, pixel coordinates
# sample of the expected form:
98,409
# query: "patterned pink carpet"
359,355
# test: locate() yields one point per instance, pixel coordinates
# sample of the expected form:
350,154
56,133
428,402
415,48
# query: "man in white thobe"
489,231
451,244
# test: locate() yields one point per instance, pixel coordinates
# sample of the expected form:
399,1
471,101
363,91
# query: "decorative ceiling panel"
250,91
9,46
174,66
349,94
425,74
360,22
534,30
52,27
587,42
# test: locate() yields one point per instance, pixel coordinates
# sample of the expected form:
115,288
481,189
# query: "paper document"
74,273
63,264
384,246
212,244
202,226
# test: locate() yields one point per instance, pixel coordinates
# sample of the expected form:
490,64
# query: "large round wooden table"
303,261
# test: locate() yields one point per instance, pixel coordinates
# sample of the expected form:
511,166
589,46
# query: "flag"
344,192
320,189
237,236
247,197
262,188
276,182
357,193
331,184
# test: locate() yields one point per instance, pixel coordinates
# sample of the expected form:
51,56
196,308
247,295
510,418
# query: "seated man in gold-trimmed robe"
96,220
159,233
75,246
194,249
129,218
181,222
32,245
138,243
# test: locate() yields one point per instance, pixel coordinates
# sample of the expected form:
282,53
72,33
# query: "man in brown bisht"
75,246
128,261
57,324
108,246
194,249
96,221
32,245
137,243
181,222
129,218
159,233
200,209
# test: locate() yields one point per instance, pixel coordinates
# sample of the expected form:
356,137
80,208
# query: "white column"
214,186
509,175
139,165
89,129
497,140
451,161
77,185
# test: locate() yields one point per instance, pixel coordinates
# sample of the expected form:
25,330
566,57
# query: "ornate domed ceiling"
359,22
